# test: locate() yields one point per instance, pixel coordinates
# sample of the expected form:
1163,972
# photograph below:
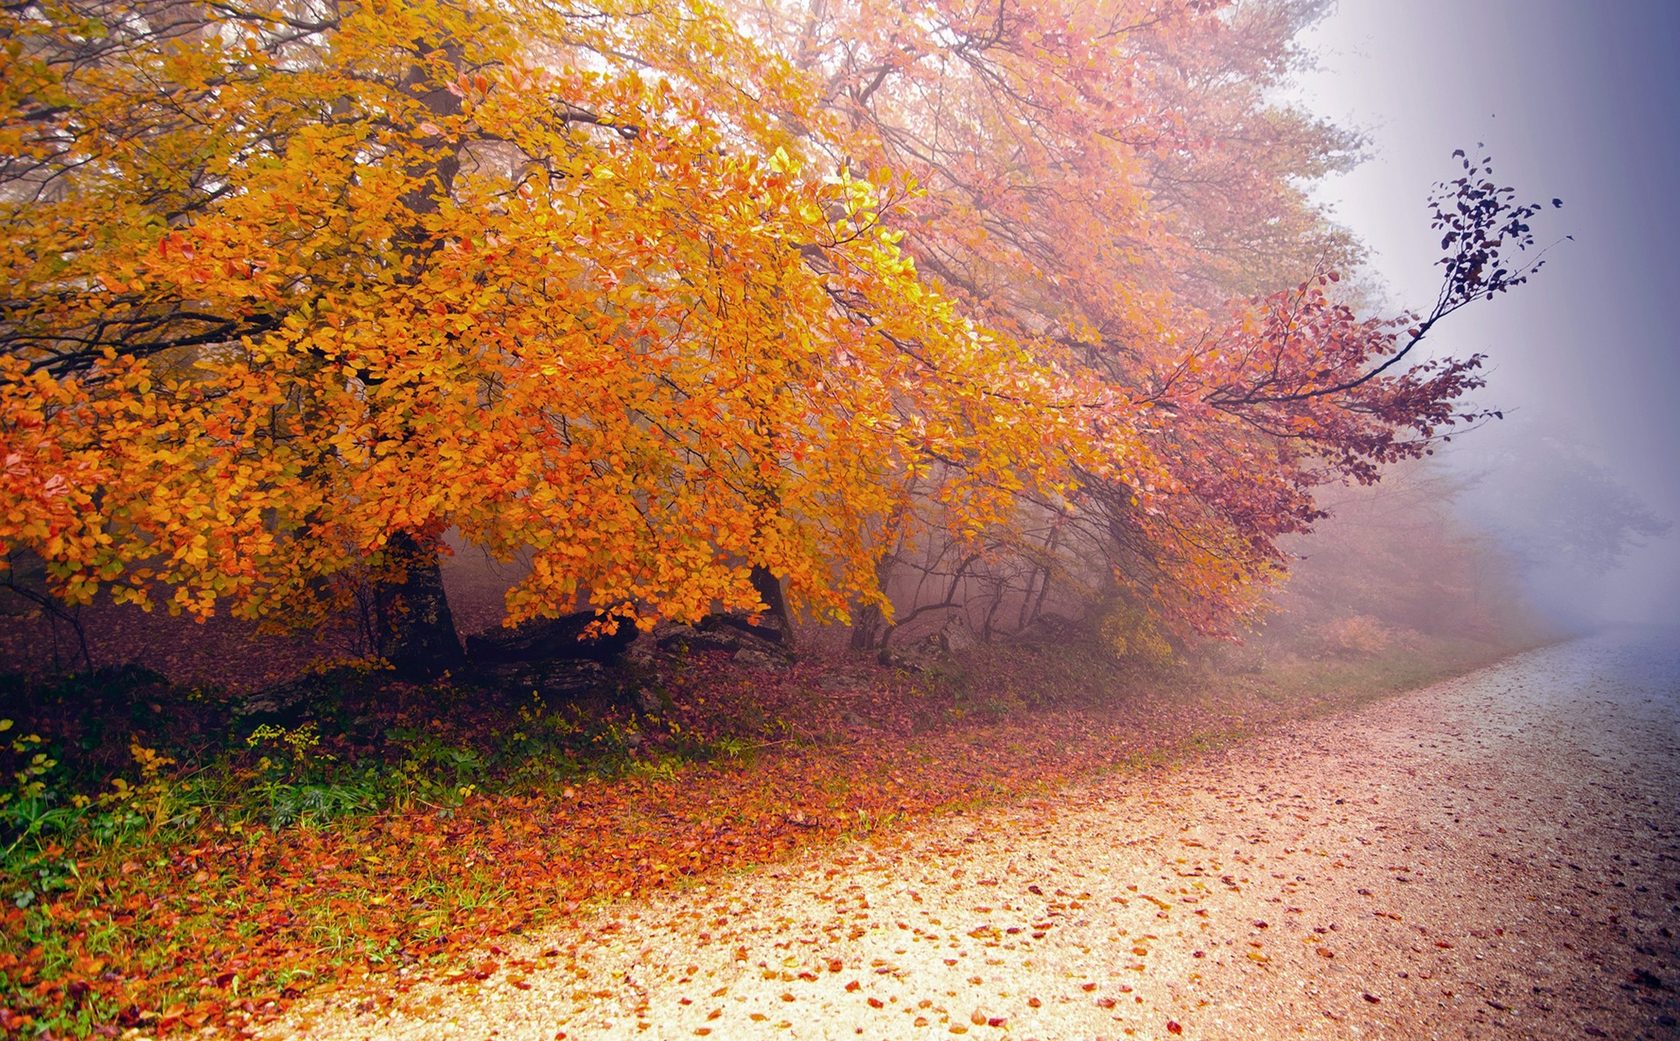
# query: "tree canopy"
666,294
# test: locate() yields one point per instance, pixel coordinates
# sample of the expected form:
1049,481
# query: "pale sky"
1574,99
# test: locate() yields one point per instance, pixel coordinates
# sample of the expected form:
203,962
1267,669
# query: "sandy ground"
1494,857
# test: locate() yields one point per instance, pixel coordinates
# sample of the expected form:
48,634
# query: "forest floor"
170,865
1494,856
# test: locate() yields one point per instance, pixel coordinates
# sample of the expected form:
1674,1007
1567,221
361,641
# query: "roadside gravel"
1495,856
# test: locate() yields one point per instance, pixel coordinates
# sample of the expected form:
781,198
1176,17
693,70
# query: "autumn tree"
1397,557
293,289
1111,185
1572,526
674,298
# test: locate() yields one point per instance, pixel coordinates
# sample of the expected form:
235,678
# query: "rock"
760,655
955,637
279,700
126,678
769,626
289,701
855,721
681,637
743,642
953,640
564,679
664,632
922,656
1050,630
548,639
646,701
642,652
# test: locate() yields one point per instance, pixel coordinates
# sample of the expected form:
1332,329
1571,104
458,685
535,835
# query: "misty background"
1573,100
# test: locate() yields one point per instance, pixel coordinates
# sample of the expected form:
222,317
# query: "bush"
1357,636
1129,634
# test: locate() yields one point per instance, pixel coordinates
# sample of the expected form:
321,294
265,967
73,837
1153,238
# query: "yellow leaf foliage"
558,276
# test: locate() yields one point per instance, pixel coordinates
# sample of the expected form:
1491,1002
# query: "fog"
1572,100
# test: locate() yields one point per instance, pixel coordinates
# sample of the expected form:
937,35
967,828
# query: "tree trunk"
419,637
869,618
418,630
769,589
866,627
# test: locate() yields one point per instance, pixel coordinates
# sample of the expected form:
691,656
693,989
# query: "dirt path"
1496,856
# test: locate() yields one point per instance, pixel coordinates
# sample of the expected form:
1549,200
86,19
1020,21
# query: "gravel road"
1494,857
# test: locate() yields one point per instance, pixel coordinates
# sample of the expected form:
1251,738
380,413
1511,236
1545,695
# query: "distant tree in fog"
1560,507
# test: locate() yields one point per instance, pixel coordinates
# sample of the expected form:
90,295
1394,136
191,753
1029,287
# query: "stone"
647,702
769,627
1050,630
564,679
548,639
762,656
642,652
922,656
955,637
675,637
291,700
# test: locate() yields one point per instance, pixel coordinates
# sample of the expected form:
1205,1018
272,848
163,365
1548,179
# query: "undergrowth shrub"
1129,635
1356,636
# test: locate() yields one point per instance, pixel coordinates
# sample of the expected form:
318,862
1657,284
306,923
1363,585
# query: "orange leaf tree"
1111,186
670,297
289,294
